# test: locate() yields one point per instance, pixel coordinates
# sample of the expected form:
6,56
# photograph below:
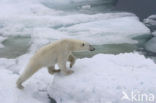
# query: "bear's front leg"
62,66
71,59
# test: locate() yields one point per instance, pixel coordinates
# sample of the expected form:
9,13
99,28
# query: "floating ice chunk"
34,17
24,24
154,33
151,20
103,78
112,30
1,45
151,45
86,7
48,33
22,7
151,23
1,40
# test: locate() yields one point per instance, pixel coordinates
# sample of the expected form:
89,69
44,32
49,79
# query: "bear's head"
79,45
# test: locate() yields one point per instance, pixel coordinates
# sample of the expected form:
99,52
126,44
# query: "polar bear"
59,53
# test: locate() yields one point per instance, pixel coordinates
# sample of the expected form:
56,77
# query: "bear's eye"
83,44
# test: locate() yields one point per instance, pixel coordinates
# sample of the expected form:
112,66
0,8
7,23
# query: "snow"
8,91
123,27
102,78
35,89
45,21
36,19
105,26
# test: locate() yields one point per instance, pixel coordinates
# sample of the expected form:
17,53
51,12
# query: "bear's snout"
91,48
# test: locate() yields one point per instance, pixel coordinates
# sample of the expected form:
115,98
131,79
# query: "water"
14,47
43,22
28,25
108,49
142,8
83,6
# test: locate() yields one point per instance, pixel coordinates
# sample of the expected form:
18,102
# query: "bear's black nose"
91,48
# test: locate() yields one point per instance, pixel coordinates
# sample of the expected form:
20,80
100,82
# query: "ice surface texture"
102,79
151,45
43,23
151,23
151,20
35,89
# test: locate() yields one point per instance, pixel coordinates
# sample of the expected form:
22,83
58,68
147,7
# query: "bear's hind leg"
52,70
25,75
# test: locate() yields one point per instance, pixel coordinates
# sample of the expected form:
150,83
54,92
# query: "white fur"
55,53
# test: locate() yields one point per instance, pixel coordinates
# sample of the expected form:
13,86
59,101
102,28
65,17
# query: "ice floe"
103,79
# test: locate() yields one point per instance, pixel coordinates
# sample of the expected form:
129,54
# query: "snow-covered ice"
151,20
154,33
123,28
45,21
151,45
35,89
151,23
36,19
102,78
122,25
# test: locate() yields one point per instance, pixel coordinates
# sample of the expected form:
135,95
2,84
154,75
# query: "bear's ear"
83,44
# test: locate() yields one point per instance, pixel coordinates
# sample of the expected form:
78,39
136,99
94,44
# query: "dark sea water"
142,8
